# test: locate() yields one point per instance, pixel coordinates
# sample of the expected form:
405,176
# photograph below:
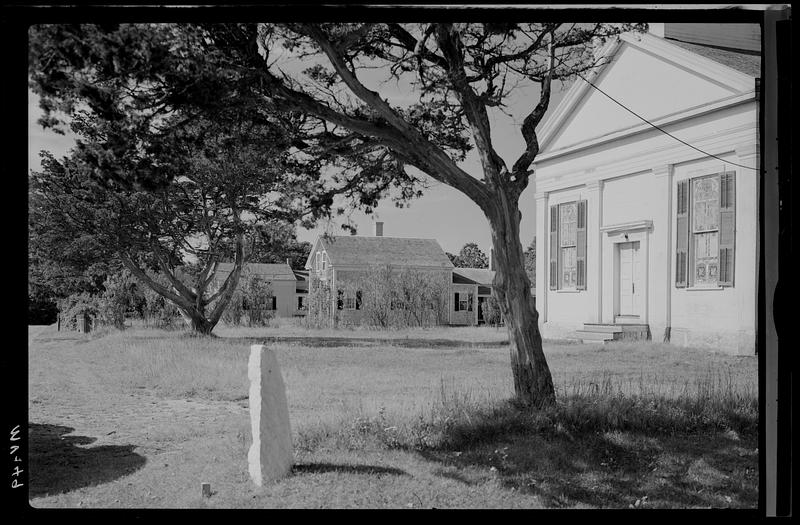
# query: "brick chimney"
378,228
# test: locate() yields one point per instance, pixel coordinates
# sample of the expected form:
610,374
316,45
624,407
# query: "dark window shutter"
358,300
274,303
455,302
580,259
339,299
553,247
682,235
727,226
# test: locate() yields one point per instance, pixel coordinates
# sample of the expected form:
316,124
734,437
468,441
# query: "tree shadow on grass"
59,462
370,470
604,469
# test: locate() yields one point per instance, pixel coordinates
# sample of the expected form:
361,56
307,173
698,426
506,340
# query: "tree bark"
533,384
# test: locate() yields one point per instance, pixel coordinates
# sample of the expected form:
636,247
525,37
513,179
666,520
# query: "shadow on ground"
610,470
315,468
325,342
60,462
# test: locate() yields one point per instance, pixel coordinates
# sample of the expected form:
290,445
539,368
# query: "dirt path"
88,435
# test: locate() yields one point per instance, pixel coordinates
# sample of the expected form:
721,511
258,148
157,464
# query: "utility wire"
663,130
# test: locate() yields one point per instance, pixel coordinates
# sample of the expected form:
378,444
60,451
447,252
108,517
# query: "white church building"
651,229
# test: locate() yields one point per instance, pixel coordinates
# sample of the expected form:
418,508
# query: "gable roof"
266,271
354,250
473,276
702,81
747,63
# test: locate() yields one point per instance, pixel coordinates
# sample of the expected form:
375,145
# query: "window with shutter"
568,245
682,234
553,247
580,262
727,226
705,231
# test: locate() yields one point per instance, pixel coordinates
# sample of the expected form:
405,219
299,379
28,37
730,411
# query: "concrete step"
586,335
602,327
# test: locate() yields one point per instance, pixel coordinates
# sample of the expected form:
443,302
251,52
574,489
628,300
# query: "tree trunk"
198,322
533,383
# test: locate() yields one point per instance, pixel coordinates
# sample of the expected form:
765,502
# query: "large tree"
219,193
459,74
180,157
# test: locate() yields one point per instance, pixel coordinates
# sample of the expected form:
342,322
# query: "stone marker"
205,488
271,455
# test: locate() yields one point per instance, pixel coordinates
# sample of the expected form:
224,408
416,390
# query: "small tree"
117,298
319,303
256,297
491,312
471,256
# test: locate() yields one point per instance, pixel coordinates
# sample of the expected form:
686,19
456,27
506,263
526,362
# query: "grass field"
415,418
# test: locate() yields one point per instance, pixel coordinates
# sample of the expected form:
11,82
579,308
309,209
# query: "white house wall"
723,317
633,181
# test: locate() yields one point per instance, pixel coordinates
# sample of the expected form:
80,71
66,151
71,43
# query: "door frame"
636,270
613,235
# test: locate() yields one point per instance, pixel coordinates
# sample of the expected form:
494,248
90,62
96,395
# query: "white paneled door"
630,292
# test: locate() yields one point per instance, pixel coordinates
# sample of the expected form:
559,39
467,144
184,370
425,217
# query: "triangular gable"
317,246
647,74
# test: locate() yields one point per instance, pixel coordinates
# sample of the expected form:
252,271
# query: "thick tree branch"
520,168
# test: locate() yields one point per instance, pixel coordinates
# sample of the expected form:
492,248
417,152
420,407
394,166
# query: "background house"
640,233
471,288
348,264
281,279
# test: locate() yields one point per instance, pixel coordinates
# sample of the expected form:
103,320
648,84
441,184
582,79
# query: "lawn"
400,419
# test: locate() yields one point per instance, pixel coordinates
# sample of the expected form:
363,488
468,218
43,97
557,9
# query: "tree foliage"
470,256
530,261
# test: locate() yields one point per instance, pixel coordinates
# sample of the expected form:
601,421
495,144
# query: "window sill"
569,291
704,288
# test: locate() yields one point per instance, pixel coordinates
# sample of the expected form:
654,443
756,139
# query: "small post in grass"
206,489
271,455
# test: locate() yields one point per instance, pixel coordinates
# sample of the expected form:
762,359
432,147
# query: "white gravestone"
270,456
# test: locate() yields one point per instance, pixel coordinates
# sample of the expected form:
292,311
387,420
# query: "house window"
568,223
463,302
568,246
705,228
324,261
318,265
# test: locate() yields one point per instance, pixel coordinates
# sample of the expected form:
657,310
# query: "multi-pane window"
568,246
349,301
463,302
705,231
568,223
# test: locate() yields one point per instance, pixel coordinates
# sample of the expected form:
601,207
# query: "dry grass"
420,422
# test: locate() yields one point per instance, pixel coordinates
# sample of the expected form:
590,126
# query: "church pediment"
649,76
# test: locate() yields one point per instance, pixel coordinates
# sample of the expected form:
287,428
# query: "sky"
442,213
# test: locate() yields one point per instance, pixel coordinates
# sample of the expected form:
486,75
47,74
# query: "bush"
491,311
158,311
